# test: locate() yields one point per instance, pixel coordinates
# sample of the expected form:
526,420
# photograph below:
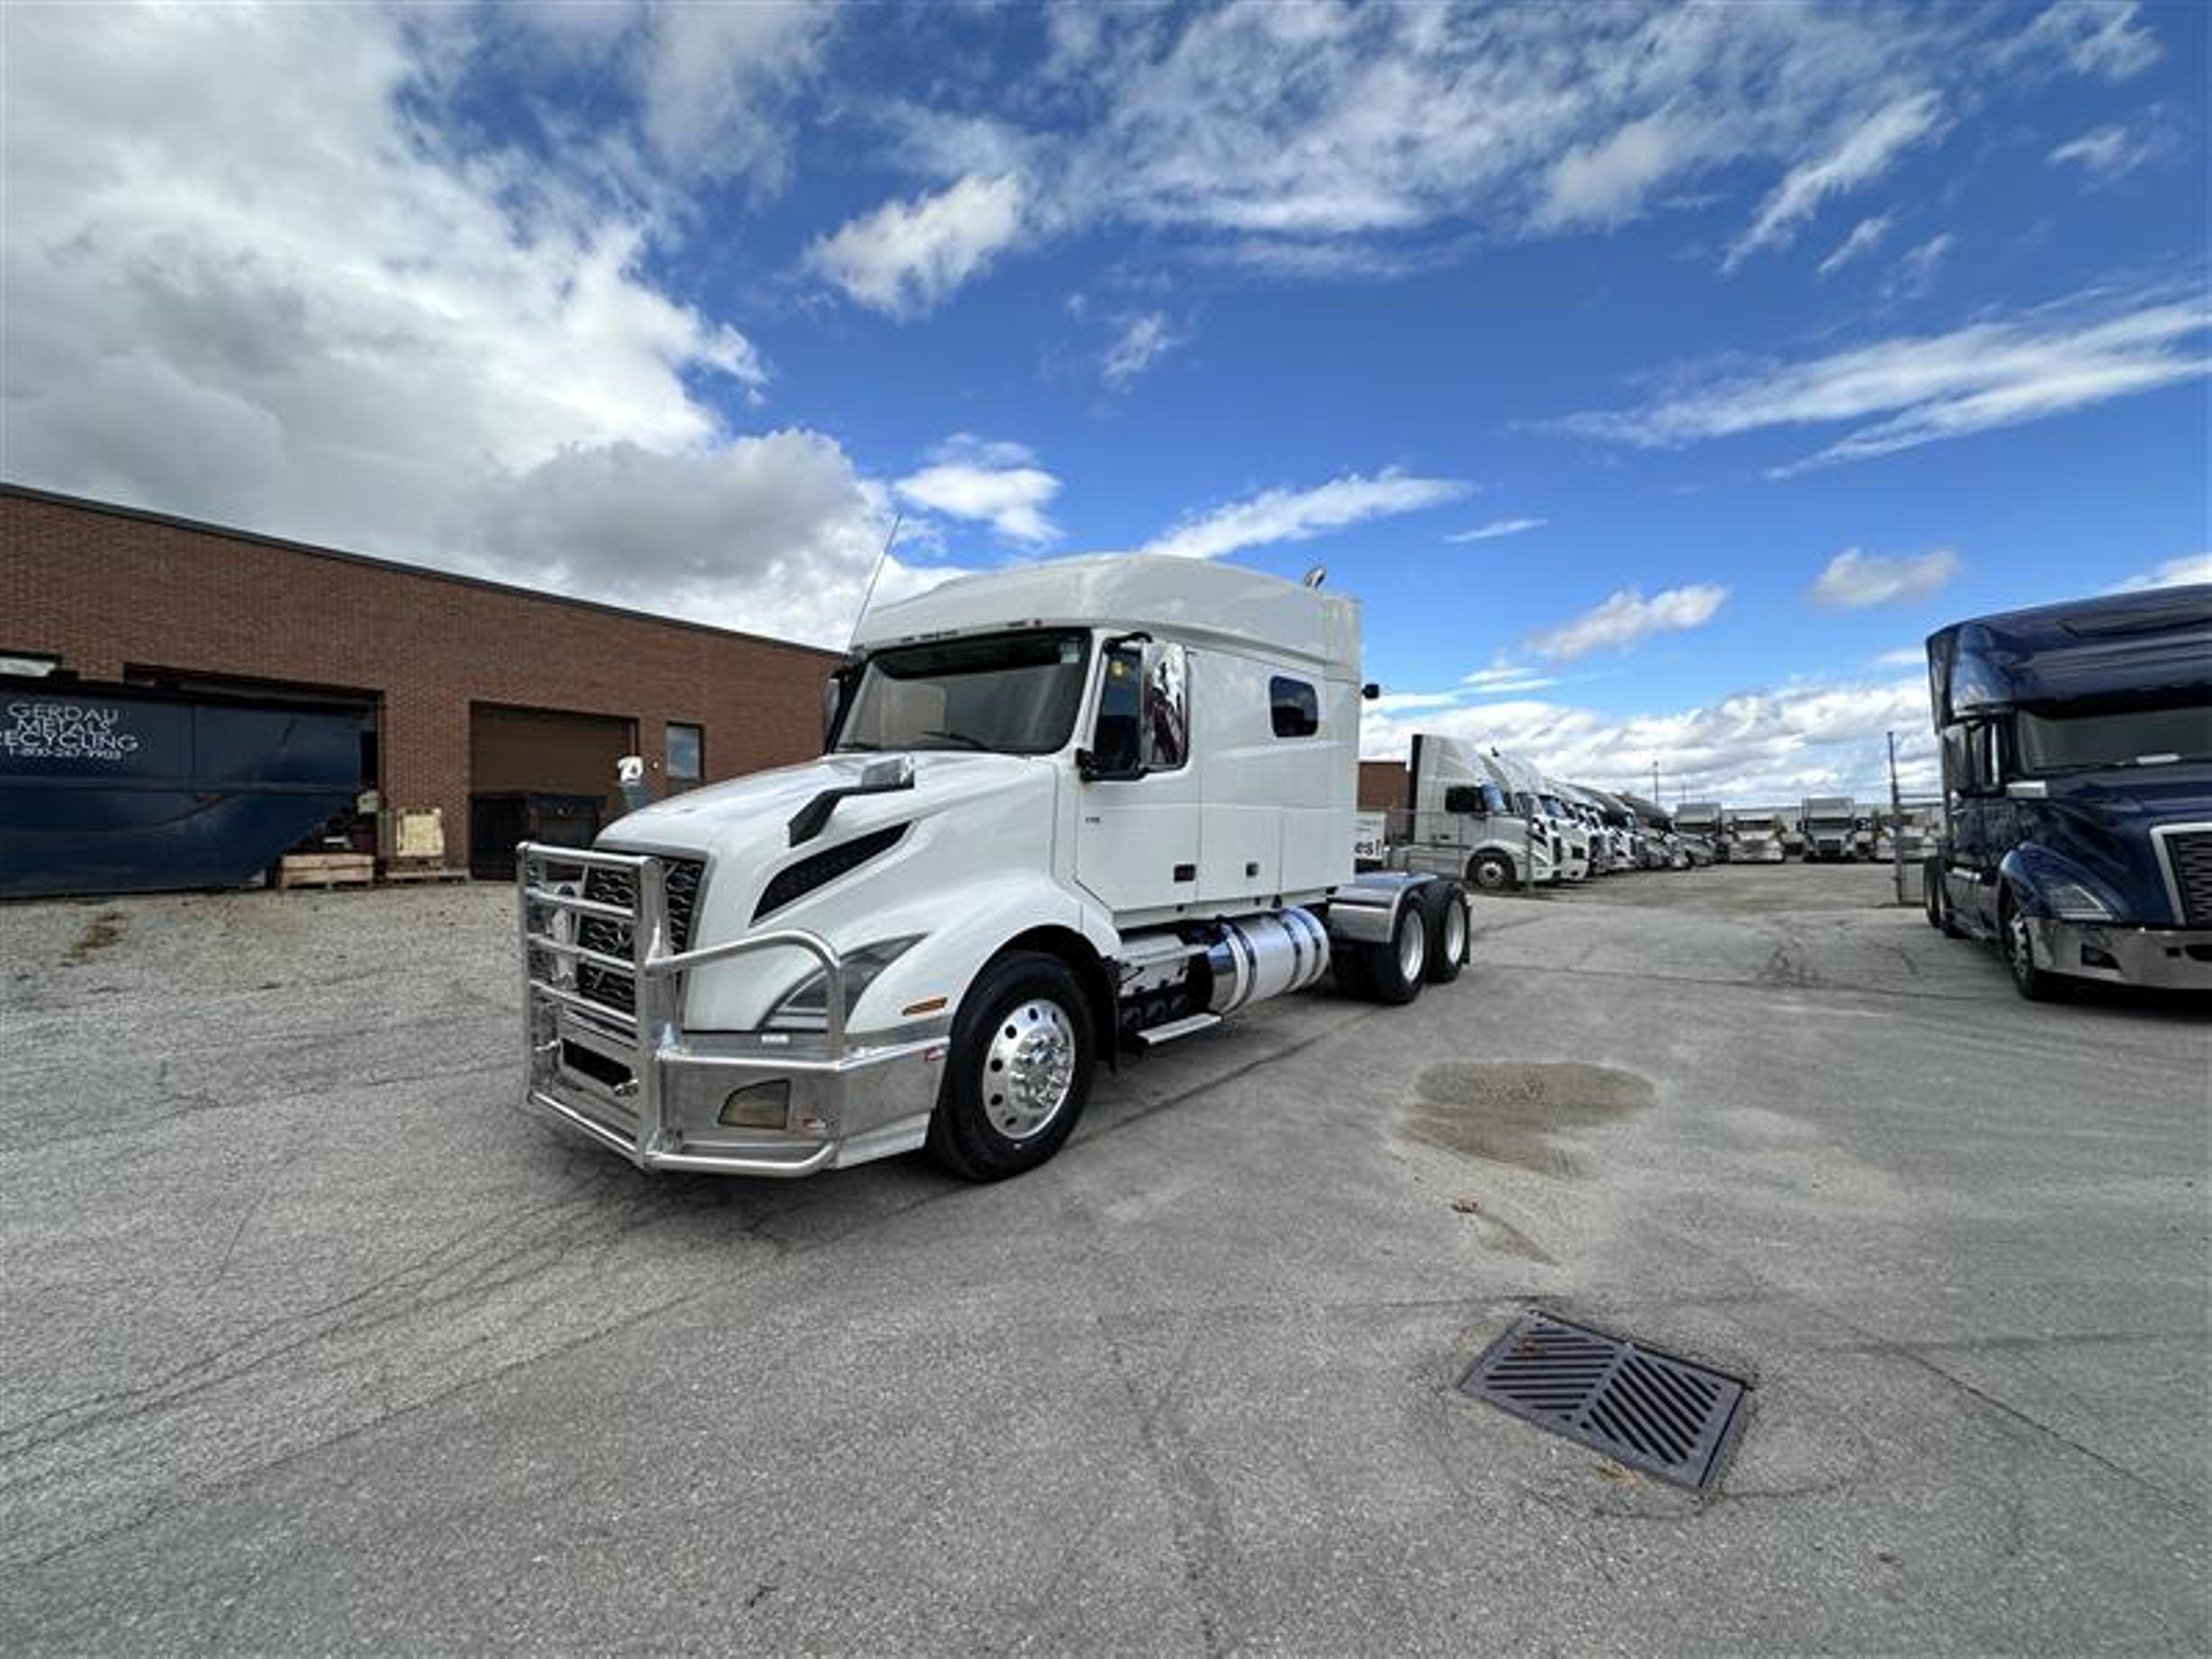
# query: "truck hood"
743,827
2102,821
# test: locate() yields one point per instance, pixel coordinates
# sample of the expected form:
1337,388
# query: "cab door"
1137,814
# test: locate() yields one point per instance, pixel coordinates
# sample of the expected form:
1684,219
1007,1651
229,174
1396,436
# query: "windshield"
2136,736
1014,693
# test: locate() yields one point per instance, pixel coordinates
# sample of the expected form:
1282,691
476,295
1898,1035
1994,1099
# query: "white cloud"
1863,155
1603,183
1924,388
1498,527
1770,747
779,528
718,83
1330,140
1400,703
1628,617
2095,37
1914,275
1853,579
2188,570
1905,656
1142,341
996,483
374,341
1296,516
2104,154
1865,237
905,256
1502,677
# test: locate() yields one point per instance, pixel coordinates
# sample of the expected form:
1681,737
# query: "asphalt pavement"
309,1342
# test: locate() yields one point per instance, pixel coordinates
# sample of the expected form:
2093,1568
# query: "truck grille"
2189,859
680,879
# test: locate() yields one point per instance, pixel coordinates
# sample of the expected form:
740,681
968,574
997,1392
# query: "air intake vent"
795,881
2189,860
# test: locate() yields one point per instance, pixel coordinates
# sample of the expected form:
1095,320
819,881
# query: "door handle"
1186,872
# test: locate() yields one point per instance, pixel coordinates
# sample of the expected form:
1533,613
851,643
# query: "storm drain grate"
1646,1410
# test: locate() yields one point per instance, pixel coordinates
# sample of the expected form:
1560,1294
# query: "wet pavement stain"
1514,1111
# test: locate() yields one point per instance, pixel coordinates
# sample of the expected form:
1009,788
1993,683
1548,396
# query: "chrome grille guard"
652,1027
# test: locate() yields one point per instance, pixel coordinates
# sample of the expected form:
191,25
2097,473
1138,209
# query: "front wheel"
1491,872
1018,1075
2016,940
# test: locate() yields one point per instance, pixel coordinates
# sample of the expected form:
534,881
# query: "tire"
1937,899
1394,970
1449,930
2034,983
1018,1076
1493,872
1348,962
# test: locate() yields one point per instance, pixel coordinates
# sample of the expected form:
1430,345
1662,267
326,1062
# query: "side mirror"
1163,724
1463,799
833,703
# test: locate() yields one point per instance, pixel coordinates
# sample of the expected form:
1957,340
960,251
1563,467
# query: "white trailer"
1065,810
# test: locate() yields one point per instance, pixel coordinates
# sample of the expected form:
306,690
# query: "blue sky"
1656,378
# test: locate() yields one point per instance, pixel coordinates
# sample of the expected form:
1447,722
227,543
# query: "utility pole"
1654,783
1896,820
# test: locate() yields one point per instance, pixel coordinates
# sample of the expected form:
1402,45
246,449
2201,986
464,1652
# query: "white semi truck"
1830,825
1065,810
1461,821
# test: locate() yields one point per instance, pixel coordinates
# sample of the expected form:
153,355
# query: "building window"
1297,707
686,749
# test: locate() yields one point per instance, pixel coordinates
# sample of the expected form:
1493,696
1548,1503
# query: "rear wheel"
1019,1072
1394,970
1446,905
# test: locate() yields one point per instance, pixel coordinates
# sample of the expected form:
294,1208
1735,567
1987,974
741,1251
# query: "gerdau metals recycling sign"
39,730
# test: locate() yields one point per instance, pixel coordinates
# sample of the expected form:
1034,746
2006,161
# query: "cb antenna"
874,576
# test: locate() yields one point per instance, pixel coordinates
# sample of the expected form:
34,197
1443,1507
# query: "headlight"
805,1006
2069,901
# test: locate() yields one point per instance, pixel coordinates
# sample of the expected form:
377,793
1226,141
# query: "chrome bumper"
2168,958
637,1084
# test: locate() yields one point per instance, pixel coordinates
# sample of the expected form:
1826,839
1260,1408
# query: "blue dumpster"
118,789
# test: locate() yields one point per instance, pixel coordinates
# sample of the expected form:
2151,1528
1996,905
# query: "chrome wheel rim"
1490,874
2019,947
1413,945
1455,930
1028,1070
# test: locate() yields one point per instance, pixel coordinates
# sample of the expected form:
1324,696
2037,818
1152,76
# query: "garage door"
543,773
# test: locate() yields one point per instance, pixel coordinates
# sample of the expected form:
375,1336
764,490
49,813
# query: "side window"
1121,707
685,747
1296,706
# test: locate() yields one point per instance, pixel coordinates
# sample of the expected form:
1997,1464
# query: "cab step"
1189,1025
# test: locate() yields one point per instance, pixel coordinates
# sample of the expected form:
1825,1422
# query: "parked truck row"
1077,811
1499,821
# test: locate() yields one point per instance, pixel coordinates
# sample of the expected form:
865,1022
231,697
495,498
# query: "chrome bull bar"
650,1033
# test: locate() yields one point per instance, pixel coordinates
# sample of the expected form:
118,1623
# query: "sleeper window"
1296,707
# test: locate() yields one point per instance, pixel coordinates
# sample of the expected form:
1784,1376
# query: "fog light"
2093,957
762,1106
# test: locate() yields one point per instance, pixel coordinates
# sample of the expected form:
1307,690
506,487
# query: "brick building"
465,688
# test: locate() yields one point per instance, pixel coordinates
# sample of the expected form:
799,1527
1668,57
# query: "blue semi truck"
2076,746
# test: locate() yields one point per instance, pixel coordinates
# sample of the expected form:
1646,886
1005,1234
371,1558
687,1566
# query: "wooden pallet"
325,870
411,870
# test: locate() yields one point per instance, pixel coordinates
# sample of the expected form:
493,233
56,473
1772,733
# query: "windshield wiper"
960,738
